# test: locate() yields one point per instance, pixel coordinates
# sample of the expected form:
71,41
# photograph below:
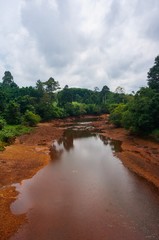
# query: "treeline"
28,105
45,101
141,114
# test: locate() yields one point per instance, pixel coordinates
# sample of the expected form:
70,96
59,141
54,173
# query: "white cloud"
80,43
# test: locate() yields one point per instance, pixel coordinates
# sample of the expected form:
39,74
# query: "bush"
2,123
12,113
7,136
2,146
127,119
75,109
30,119
117,114
9,133
93,109
58,112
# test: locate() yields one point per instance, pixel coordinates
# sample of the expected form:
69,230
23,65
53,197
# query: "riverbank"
138,154
21,161
31,152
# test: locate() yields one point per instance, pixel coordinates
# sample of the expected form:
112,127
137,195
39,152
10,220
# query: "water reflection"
66,142
115,145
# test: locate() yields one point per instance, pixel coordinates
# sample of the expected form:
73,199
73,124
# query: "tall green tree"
40,87
8,80
153,75
104,94
51,85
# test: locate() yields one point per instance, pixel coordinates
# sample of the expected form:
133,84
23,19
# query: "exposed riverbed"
86,192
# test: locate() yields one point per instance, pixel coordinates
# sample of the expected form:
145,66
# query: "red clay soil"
139,155
20,161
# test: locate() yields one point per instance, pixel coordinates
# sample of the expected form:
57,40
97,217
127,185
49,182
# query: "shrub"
12,113
117,114
30,119
93,109
58,112
2,123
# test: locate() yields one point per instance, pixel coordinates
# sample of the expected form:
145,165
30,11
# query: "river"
86,193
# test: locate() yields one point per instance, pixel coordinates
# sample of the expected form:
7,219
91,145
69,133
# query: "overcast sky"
82,43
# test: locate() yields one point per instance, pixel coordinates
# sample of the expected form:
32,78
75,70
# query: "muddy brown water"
86,193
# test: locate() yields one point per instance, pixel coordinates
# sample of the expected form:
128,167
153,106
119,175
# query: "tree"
12,113
66,87
96,89
117,114
26,103
3,99
2,123
153,75
51,85
141,115
120,90
31,119
8,80
40,87
104,94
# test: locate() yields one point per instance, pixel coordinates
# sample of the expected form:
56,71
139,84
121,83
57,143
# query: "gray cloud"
55,31
80,43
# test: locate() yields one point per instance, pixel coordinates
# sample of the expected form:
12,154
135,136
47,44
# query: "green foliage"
58,112
93,109
26,103
2,146
142,115
81,95
51,85
7,79
9,133
2,123
117,114
112,107
141,112
127,120
104,95
75,109
12,113
153,75
30,119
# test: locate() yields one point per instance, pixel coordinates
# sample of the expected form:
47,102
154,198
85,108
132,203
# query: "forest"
23,107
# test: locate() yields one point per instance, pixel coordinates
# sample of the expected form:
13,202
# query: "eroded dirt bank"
138,154
21,161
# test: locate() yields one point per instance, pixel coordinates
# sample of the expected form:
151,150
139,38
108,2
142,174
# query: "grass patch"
10,132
